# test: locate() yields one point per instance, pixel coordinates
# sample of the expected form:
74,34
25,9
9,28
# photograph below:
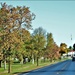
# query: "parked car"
73,58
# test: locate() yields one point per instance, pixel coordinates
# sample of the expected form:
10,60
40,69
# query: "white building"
71,53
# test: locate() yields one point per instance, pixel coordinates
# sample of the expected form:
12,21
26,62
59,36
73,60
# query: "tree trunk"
9,65
4,64
44,59
21,61
37,61
51,59
0,64
32,59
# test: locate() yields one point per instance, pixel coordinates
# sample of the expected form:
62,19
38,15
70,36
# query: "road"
63,68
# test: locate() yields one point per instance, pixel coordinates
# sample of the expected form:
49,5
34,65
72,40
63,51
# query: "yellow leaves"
1,56
26,10
14,38
1,33
13,35
63,47
35,52
15,16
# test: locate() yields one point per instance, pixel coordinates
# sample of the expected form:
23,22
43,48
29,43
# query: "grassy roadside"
18,68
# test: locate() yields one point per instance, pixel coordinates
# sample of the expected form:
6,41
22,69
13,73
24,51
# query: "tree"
14,20
74,46
52,49
50,46
70,47
39,41
63,48
1,57
56,50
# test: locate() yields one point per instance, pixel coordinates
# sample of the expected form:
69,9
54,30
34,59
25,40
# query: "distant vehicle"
73,57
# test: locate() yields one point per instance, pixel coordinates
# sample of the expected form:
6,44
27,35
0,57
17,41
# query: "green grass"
18,68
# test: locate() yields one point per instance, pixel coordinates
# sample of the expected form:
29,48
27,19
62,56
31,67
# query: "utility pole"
72,46
71,38
71,42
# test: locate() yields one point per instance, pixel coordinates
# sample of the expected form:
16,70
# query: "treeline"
17,42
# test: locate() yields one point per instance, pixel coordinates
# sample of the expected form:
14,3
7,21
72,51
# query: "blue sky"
57,17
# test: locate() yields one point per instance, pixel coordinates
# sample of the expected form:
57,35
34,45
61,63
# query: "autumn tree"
14,22
50,45
39,41
23,49
52,49
56,50
63,48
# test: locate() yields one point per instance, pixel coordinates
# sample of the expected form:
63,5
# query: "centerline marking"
62,68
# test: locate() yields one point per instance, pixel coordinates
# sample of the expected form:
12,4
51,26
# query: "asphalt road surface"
63,68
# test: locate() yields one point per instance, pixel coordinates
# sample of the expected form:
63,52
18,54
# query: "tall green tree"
39,35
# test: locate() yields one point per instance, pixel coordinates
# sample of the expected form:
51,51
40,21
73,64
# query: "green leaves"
39,37
74,46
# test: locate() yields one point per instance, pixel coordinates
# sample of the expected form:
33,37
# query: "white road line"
25,74
57,72
62,69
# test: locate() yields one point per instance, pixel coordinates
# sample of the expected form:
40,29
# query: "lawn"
18,68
